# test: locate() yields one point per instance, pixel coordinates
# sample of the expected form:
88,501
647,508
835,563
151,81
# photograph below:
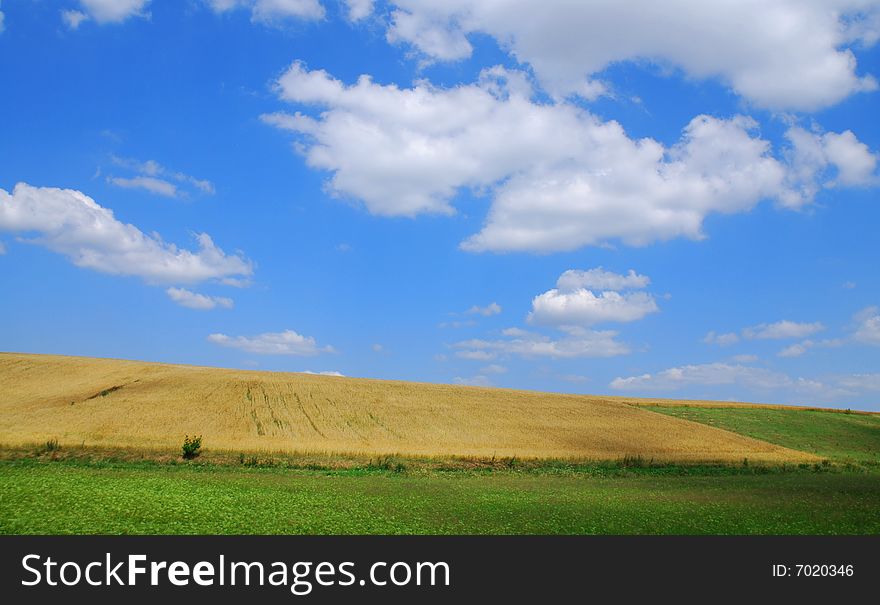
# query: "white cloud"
722,340
359,9
474,381
493,368
868,329
599,279
798,349
706,375
148,183
577,343
796,56
105,11
833,388
71,223
861,382
194,300
277,343
377,348
782,330
487,311
2,20
73,18
559,177
583,307
149,179
745,358
571,303
430,36
325,373
272,11
813,154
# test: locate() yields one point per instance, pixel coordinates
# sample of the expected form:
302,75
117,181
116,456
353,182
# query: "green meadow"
78,497
837,436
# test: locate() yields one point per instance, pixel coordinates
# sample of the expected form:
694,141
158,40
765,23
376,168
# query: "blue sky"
620,198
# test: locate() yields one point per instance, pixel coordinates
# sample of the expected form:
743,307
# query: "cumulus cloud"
572,304
359,9
493,368
156,178
797,56
194,300
2,19
868,326
782,330
487,311
73,224
559,177
105,11
823,160
522,343
272,11
722,340
571,309
325,373
583,307
287,342
73,18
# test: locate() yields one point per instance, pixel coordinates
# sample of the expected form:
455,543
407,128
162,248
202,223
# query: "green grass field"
836,436
147,498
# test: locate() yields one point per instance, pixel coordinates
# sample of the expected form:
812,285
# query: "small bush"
248,460
387,463
52,445
192,447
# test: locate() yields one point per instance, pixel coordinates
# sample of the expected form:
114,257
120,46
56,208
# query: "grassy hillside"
837,436
112,403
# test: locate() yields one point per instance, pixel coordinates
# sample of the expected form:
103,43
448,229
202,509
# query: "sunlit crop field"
113,403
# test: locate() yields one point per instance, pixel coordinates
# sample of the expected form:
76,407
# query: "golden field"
115,403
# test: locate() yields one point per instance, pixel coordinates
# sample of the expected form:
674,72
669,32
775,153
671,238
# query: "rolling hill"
116,403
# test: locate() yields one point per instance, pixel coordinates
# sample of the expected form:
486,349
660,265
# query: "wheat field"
115,403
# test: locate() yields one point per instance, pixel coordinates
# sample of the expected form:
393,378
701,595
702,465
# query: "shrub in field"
248,460
192,447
